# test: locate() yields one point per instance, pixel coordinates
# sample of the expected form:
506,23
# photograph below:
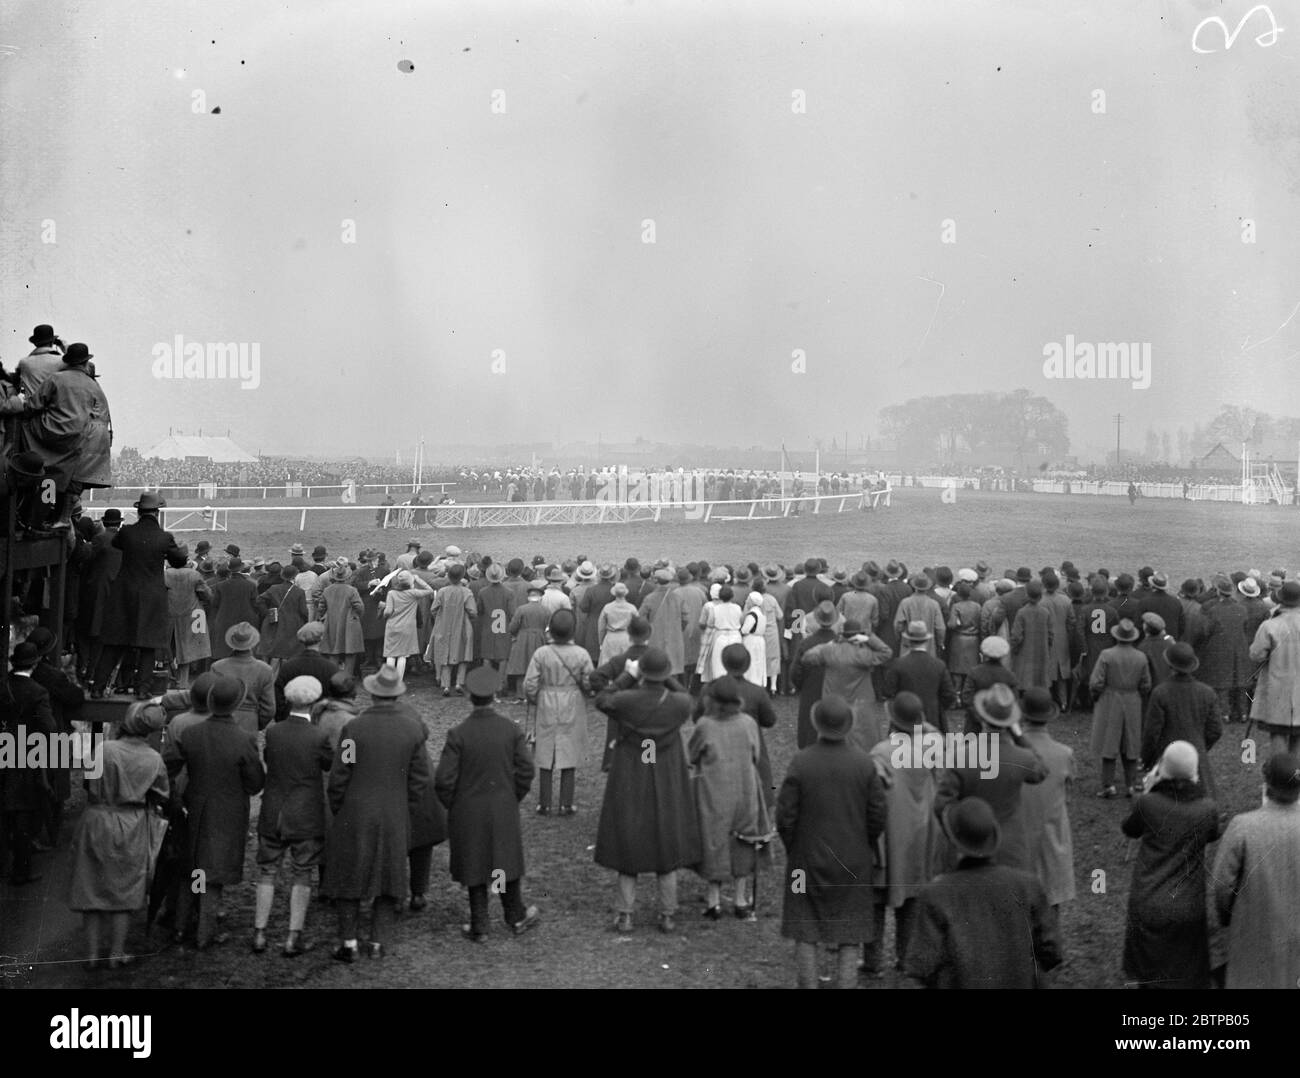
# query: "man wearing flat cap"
485,770
1256,878
136,616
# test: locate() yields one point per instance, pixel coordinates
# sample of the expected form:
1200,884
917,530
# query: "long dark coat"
830,811
1224,647
484,772
136,614
234,599
1032,640
72,430
928,677
96,579
647,821
1166,941
809,680
496,606
593,601
66,698
224,772
1182,709
24,789
293,806
341,611
428,817
1096,634
378,778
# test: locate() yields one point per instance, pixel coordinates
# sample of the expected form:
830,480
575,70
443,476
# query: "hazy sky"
775,230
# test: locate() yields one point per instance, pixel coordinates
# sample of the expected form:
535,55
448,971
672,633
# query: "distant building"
1219,457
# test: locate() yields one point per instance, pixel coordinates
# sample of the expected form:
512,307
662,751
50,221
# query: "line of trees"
926,428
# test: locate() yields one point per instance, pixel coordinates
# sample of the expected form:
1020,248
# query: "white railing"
503,514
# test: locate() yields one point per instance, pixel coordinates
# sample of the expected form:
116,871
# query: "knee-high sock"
299,900
262,909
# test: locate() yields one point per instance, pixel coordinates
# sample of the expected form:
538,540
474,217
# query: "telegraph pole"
1119,422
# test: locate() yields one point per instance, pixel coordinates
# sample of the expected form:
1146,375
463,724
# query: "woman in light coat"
615,617
453,612
556,683
117,839
724,750
720,620
401,631
771,632
341,609
1120,682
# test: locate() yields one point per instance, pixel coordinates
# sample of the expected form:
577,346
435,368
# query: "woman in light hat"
116,843
527,633
1120,682
1166,941
401,630
612,624
991,670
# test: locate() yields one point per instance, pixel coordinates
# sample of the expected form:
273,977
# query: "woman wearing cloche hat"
1119,682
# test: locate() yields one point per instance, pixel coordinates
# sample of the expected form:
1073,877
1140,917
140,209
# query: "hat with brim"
77,354
25,656
771,572
1125,632
537,584
997,705
1249,588
917,632
42,639
297,551
385,681
608,572
1037,706
242,637
825,613
833,718
149,501
1289,593
1182,658
586,571
42,335
495,574
972,827
555,575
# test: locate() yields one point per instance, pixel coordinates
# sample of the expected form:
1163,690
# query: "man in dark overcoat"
829,813
496,605
24,791
808,680
136,615
378,779
224,772
96,578
1182,709
66,698
916,670
485,770
983,925
647,820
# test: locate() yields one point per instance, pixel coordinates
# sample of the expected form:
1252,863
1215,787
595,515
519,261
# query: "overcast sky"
522,230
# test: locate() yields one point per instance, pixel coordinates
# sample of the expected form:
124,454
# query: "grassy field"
574,945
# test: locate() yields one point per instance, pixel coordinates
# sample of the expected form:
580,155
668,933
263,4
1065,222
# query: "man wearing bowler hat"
136,614
67,422
485,770
42,361
1182,709
1043,804
918,671
984,925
